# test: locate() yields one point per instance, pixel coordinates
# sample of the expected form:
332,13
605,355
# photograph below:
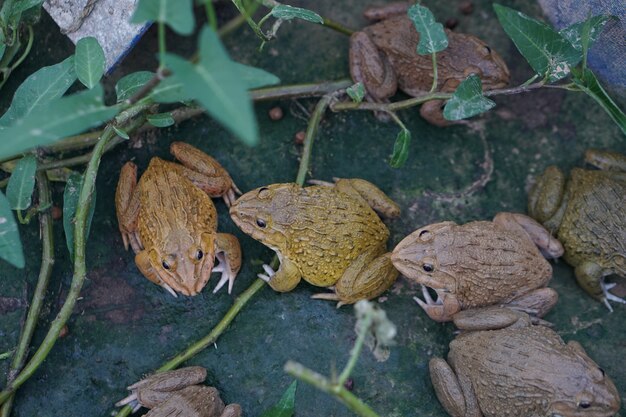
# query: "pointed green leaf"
131,83
588,82
285,12
22,183
253,77
70,202
121,132
214,85
40,88
161,119
432,36
177,14
585,32
286,406
400,149
547,52
63,117
467,100
89,61
356,92
170,90
10,243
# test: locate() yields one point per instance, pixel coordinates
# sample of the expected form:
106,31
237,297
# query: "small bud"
56,212
451,23
466,7
349,384
276,113
299,137
64,331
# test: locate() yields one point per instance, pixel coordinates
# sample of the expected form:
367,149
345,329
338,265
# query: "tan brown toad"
171,223
178,393
328,235
480,263
587,213
384,58
502,366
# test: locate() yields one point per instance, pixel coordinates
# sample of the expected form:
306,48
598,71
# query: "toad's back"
170,203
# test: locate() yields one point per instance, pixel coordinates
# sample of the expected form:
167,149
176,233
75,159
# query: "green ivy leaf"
468,100
253,77
41,87
432,36
286,406
161,119
170,90
585,32
400,149
57,119
70,202
177,14
356,92
213,83
587,81
10,244
286,12
547,52
89,61
131,83
22,183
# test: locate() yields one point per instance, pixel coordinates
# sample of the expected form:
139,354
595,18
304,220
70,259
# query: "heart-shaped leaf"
547,52
216,86
432,36
356,92
468,100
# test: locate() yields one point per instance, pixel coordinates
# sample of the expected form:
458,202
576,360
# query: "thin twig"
47,260
320,382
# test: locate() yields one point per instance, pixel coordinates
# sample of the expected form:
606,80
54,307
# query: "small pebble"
299,137
452,23
56,212
349,384
466,7
64,331
276,113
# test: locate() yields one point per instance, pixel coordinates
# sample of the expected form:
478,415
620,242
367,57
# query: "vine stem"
356,349
87,140
243,299
405,104
434,86
47,260
322,383
80,269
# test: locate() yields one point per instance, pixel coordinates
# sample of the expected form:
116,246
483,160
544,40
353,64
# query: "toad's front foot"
268,275
610,297
437,310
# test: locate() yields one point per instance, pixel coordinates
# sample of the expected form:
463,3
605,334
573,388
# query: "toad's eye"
488,49
165,265
584,404
199,255
425,235
261,223
263,191
428,267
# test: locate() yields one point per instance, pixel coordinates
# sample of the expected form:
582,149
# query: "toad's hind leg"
374,196
606,160
127,206
228,253
369,275
447,387
549,246
205,172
